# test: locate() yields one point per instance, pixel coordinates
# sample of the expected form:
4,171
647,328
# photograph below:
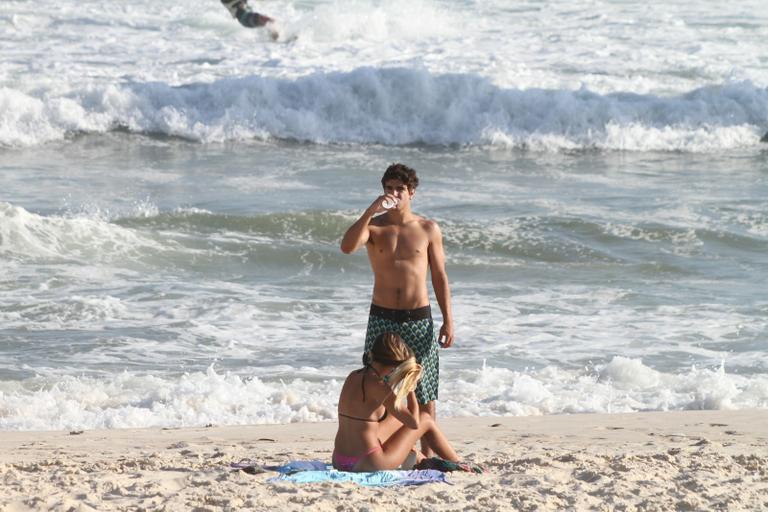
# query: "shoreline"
679,460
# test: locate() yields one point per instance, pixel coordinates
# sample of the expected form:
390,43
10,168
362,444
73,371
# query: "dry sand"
698,460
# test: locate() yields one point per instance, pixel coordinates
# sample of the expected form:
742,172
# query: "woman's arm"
408,416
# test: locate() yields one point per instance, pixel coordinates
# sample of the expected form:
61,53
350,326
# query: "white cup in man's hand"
388,203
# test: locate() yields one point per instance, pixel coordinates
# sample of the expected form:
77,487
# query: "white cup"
388,203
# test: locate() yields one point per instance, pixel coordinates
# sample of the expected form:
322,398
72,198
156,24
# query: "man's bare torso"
399,256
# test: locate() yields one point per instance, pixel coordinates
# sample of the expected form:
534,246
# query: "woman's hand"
413,404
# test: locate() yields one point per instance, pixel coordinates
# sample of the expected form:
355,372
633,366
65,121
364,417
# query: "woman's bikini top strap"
364,371
383,417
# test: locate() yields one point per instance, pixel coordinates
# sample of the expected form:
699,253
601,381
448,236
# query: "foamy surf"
130,400
397,107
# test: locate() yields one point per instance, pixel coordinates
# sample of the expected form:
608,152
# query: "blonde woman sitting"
376,431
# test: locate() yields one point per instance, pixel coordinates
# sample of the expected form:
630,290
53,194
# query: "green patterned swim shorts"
416,328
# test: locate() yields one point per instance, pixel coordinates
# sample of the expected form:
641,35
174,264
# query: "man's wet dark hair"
402,173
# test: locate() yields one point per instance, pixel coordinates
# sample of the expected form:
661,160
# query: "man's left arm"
440,283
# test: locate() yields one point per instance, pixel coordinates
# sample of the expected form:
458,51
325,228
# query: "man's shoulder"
428,225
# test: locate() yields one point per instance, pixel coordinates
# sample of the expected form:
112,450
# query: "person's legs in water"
240,10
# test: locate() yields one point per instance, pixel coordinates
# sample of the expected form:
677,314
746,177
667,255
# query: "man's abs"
400,267
395,294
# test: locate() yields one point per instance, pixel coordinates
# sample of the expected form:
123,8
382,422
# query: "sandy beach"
698,460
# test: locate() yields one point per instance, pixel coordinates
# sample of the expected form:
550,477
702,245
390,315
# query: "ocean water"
174,187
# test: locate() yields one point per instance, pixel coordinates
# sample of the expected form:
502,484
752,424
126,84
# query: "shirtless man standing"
402,247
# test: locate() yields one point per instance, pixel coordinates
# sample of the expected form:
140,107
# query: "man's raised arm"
358,233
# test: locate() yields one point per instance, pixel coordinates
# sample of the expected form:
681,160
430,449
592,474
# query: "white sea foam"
145,401
618,47
25,235
196,399
397,106
76,312
623,385
537,76
362,21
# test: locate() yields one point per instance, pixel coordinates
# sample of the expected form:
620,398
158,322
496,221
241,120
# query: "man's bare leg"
426,447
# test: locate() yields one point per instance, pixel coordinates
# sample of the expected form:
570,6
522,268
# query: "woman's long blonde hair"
390,349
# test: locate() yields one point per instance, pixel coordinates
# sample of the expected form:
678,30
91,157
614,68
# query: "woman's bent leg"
440,444
398,446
